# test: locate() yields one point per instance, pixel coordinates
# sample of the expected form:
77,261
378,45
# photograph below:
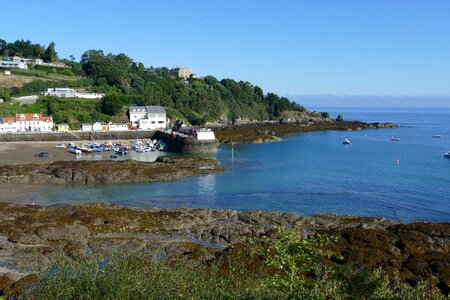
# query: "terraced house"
26,123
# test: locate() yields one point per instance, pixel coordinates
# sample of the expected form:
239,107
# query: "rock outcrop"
106,171
32,236
269,131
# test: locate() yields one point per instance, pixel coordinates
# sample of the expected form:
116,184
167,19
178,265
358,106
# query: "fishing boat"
346,141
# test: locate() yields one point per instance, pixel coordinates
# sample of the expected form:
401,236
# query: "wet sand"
23,152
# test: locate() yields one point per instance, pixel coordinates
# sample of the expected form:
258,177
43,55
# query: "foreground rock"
165,168
32,236
267,132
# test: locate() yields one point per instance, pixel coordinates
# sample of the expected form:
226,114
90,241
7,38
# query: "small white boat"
61,146
395,139
75,150
346,141
436,136
447,154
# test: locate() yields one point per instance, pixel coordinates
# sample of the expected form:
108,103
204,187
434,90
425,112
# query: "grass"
20,77
10,81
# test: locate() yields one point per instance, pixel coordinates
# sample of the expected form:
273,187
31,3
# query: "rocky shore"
269,132
31,237
165,168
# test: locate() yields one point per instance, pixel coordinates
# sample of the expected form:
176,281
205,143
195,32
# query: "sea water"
311,173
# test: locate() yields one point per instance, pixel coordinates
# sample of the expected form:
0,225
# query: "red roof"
27,118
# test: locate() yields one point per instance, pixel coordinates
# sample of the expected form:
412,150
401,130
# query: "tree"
5,95
3,45
50,54
112,104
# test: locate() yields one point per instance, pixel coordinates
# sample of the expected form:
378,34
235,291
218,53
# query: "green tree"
5,95
111,104
50,53
3,45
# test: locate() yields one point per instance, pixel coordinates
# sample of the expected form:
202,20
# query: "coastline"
269,132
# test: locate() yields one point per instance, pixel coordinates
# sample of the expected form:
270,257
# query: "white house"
97,126
13,64
60,92
86,127
27,123
118,126
6,126
148,117
71,93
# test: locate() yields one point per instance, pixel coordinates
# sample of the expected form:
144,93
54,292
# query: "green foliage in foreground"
291,268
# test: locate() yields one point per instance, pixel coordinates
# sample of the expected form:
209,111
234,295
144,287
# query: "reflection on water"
206,185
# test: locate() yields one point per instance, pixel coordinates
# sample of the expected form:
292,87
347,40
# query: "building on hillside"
97,126
13,64
148,117
6,126
181,72
37,61
89,95
118,126
62,127
29,61
60,92
71,93
28,123
86,127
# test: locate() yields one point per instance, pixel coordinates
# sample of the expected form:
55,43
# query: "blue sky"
382,47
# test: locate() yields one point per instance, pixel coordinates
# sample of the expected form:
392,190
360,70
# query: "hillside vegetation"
127,82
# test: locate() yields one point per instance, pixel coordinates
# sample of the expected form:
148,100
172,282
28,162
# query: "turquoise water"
312,173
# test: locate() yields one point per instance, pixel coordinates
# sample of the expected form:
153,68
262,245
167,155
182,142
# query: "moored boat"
86,150
395,139
121,151
447,154
436,136
61,146
346,141
75,150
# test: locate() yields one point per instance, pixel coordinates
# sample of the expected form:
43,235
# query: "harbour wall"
185,145
70,136
175,144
